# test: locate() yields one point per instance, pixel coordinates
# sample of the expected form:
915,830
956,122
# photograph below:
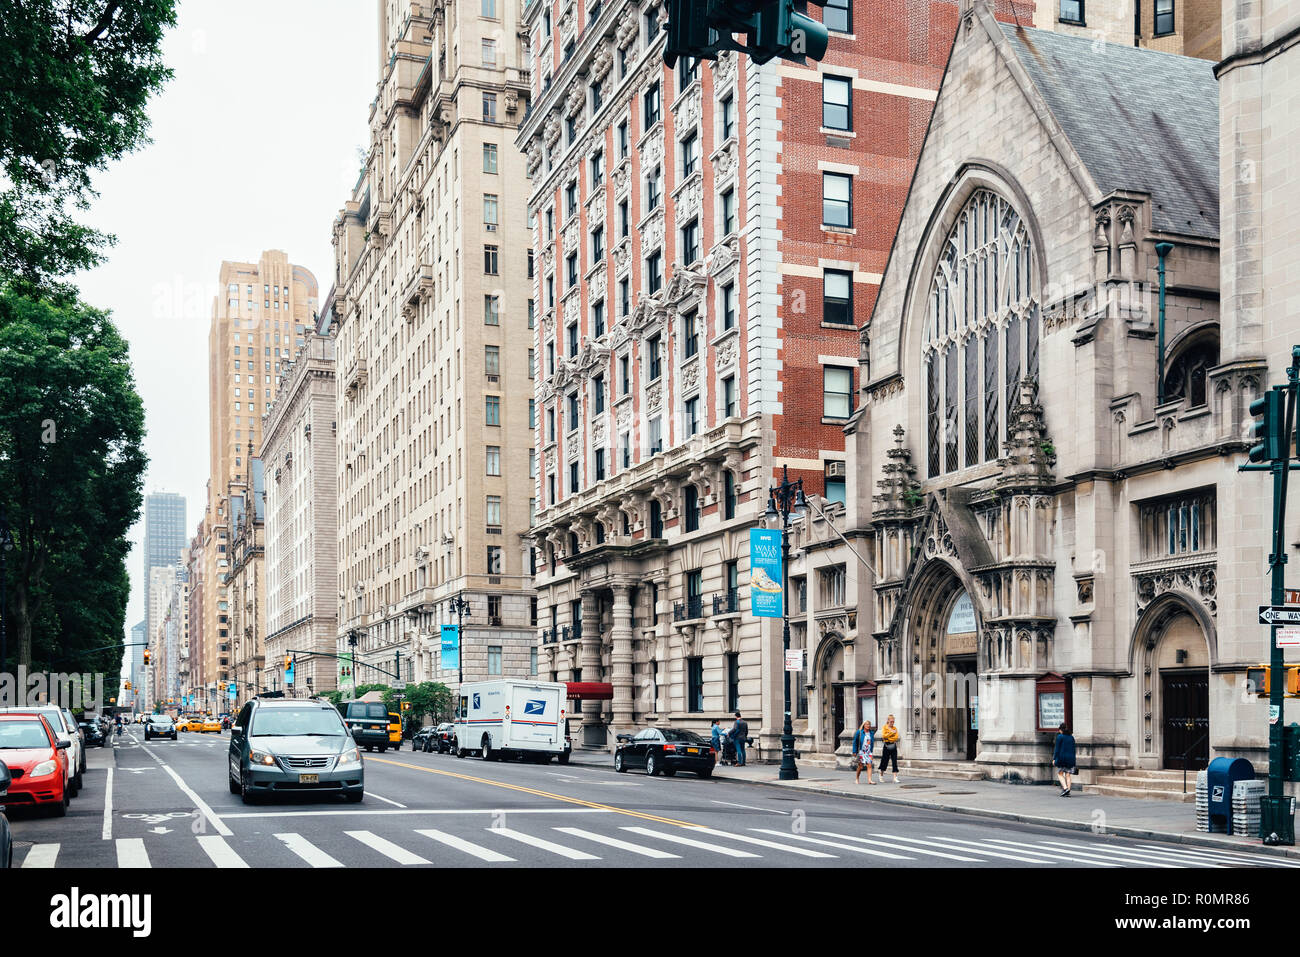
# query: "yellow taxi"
189,722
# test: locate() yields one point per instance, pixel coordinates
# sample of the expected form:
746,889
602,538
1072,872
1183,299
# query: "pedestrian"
1063,758
889,749
864,740
739,734
715,737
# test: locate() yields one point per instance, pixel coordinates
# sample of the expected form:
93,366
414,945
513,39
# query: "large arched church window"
981,333
1185,378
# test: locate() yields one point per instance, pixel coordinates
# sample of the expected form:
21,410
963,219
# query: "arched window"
981,333
1185,378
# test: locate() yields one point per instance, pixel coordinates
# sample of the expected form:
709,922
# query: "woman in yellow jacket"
889,749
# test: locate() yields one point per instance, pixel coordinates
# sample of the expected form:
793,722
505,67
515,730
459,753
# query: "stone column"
621,658
593,728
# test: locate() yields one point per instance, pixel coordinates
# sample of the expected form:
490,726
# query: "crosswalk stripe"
689,842
615,842
989,849
907,841
386,847
844,847
460,844
801,851
1077,856
1119,853
1218,855
543,844
42,855
131,852
221,853
308,851
887,840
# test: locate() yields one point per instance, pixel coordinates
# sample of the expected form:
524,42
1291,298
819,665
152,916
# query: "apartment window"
598,319
494,509
494,651
652,189
571,269
550,424
691,242
598,244
489,107
571,198
532,469
837,392
1072,11
692,417
653,346
733,682
494,460
489,9
835,483
729,502
531,260
491,311
728,212
573,478
532,364
688,68
838,16
494,559
656,436
595,98
532,313
600,467
1164,17
729,396
550,292
490,261
837,296
573,339
532,652
532,412
690,155
550,224
492,360
625,440
654,272
489,53
837,100
598,385
550,358
489,157
691,333
550,484
597,168
624,220
837,190
624,375
728,117
624,297
573,411
622,140
831,582
493,410
651,105
490,211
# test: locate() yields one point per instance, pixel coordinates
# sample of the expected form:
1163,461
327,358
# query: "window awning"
591,691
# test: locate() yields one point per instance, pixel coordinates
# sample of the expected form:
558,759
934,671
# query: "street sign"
398,684
1288,637
1292,596
1279,614
794,659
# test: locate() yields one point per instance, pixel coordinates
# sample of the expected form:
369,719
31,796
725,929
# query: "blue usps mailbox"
1219,778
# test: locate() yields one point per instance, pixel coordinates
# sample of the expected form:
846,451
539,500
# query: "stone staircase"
1144,783
947,770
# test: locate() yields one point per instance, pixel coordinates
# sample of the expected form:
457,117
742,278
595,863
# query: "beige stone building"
1187,27
245,592
299,451
258,320
433,351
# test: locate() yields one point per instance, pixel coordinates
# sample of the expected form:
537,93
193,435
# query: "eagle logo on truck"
476,704
536,706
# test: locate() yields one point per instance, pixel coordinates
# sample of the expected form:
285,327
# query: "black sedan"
91,732
422,740
159,726
665,750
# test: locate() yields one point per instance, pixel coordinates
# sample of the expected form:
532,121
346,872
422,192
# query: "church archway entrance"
944,630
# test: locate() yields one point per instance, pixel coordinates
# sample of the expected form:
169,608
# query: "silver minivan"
286,744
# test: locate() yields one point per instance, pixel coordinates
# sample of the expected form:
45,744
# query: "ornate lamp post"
782,500
461,608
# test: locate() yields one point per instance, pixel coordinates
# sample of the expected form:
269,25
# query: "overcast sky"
254,147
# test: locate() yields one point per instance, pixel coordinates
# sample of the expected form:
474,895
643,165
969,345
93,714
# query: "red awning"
591,690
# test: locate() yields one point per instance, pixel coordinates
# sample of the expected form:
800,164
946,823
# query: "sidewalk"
1026,803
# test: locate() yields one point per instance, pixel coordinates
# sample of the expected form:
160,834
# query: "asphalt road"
166,804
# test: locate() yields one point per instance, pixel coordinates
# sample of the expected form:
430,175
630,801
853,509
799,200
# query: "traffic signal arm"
1269,430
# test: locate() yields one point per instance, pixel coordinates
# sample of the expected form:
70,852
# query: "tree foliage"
75,77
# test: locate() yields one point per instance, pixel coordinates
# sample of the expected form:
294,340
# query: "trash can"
1219,778
1291,752
1277,820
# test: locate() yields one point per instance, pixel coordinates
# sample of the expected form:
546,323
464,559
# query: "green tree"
75,77
71,471
426,698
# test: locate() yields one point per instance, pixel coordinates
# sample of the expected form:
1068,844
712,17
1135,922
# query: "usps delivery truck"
511,718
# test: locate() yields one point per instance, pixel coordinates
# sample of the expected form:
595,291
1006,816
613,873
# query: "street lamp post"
460,606
781,501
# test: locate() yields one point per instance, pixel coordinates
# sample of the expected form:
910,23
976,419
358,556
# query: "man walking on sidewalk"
740,732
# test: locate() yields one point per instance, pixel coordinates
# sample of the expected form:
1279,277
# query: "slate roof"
1140,120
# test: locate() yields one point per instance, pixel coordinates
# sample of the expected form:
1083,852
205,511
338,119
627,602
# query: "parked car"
665,750
92,733
282,744
422,740
445,738
159,726
6,836
37,760
66,730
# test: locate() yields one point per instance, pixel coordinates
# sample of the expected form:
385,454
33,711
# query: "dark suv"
368,722
286,744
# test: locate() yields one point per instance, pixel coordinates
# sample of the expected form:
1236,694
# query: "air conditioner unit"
493,379
836,469
490,227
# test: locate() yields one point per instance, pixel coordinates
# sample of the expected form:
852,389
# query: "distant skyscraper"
134,661
164,538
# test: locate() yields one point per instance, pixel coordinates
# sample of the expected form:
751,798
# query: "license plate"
309,779
692,750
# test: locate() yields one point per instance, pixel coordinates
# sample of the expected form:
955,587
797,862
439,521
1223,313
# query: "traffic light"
147,656
1260,676
1269,428
772,28
287,662
688,30
127,686
406,706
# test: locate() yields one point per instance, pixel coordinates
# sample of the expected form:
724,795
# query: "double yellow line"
543,794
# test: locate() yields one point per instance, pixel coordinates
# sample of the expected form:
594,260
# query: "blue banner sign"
765,573
450,646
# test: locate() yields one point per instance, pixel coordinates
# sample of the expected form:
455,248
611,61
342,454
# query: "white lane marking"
615,842
848,847
910,844
189,793
460,844
373,811
689,842
1144,855
801,851
1022,848
386,847
543,844
1118,854
750,807
42,855
1216,855
221,853
308,851
988,848
976,847
384,799
108,807
131,853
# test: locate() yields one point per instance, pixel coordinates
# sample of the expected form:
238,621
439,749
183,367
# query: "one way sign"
1279,614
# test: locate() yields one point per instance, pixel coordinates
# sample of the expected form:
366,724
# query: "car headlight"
44,768
261,757
352,756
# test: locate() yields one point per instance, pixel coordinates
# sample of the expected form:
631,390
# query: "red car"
37,762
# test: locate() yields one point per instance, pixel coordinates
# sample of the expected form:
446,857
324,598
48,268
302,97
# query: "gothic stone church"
1047,457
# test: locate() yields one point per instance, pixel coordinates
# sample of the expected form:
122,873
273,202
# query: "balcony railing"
727,603
689,610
